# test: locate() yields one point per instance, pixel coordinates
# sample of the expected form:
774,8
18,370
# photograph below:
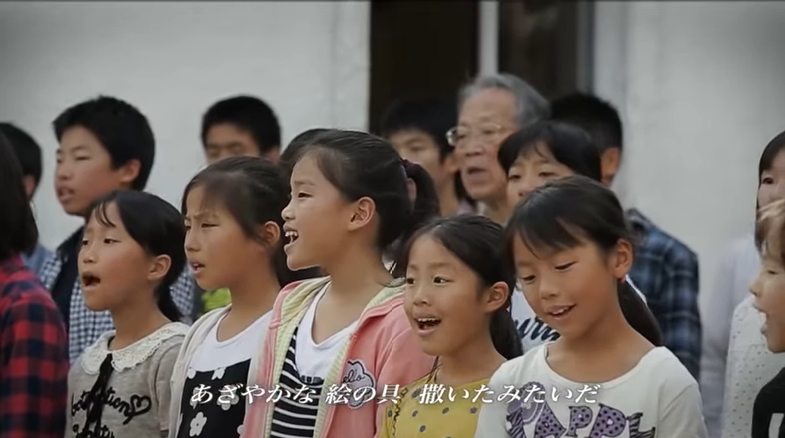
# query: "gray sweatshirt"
136,396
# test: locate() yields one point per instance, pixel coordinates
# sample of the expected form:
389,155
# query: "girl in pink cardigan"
339,348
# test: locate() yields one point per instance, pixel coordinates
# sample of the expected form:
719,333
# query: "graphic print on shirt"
135,406
208,408
295,412
356,377
532,330
593,420
768,409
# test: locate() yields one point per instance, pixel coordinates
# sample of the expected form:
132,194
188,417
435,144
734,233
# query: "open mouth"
64,193
90,280
560,312
197,267
474,170
291,236
427,323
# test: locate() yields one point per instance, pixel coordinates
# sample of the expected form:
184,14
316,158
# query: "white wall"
172,60
701,89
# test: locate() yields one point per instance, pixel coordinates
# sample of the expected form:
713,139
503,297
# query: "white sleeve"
682,417
718,312
493,416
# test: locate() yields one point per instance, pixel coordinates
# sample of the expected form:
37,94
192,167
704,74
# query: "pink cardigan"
382,351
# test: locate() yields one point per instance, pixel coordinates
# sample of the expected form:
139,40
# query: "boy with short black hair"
28,153
241,125
417,128
665,269
105,144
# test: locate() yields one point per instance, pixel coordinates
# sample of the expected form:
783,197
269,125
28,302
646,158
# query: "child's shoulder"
524,363
661,364
167,340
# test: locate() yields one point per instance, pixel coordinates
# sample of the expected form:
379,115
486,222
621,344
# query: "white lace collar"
132,355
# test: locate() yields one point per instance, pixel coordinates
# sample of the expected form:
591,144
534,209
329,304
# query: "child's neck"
474,361
449,204
357,275
611,333
497,210
136,321
254,295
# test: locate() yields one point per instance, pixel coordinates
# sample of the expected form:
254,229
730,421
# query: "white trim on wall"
488,37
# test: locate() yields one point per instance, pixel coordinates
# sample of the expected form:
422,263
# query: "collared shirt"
35,260
33,357
666,270
86,326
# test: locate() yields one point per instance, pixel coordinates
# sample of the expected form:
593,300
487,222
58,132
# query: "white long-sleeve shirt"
738,267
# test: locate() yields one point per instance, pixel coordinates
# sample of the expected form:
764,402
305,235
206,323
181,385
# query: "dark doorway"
420,49
547,43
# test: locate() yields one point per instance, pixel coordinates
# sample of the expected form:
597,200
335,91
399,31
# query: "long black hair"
254,191
562,213
157,227
478,242
360,165
18,231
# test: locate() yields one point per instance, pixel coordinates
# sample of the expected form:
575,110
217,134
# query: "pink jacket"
382,351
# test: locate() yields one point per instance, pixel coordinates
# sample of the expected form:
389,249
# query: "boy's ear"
129,171
159,267
451,164
30,185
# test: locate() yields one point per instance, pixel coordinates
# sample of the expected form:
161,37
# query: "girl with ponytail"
342,342
131,253
571,248
456,299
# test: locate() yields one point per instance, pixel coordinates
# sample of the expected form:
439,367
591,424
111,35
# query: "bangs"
217,191
545,235
99,211
565,214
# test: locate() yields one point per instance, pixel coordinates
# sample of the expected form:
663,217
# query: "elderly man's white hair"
530,107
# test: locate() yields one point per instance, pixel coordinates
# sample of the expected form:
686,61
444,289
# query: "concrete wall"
172,60
700,86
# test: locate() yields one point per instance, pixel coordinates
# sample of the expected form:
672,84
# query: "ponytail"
166,304
424,208
504,334
637,314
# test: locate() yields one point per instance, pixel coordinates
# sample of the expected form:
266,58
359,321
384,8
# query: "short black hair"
27,150
121,129
433,116
569,145
248,113
289,156
18,231
596,116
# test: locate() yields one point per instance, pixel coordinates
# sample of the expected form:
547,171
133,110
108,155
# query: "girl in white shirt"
736,363
604,376
233,222
531,157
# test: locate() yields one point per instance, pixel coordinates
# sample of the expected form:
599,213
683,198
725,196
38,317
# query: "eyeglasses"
486,134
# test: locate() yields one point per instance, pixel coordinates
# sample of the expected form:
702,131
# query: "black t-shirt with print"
770,401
